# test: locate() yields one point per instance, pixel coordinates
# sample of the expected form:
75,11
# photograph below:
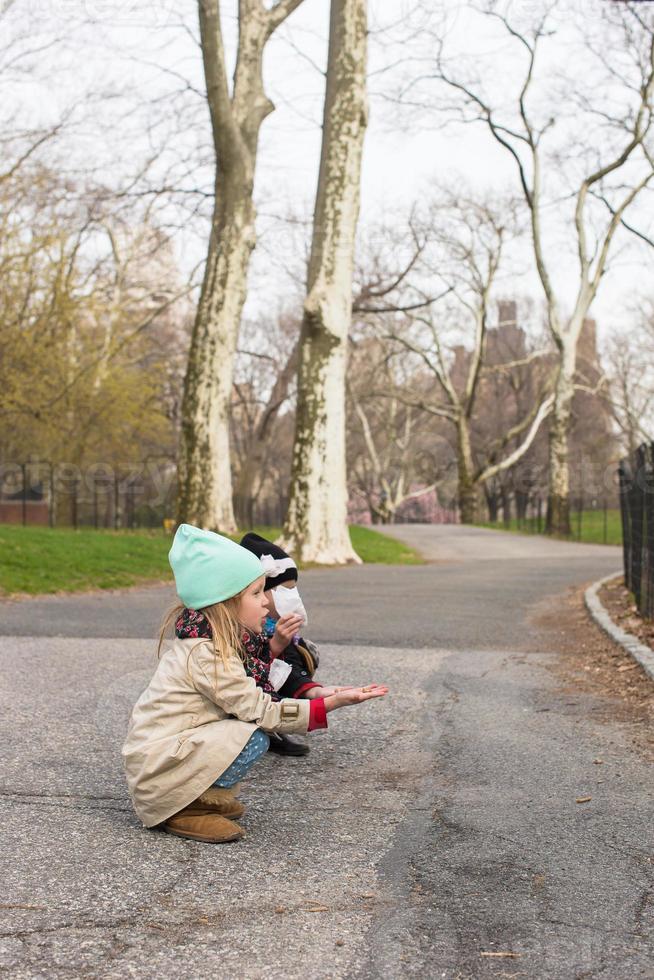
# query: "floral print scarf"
255,652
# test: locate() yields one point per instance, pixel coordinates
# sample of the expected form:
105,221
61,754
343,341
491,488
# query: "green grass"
41,559
36,560
371,546
592,527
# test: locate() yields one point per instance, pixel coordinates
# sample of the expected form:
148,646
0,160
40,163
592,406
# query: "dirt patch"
591,662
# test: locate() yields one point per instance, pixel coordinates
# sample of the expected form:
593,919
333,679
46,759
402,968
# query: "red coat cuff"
317,714
303,688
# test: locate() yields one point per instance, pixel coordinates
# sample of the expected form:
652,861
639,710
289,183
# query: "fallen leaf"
280,910
339,942
598,762
583,799
627,667
318,908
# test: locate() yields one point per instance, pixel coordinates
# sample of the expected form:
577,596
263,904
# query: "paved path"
477,593
419,834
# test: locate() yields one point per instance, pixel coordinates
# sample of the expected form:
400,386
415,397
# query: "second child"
282,629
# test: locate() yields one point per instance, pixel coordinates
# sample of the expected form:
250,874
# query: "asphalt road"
476,592
423,836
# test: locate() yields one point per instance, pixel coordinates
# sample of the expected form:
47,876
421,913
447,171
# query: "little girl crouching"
201,723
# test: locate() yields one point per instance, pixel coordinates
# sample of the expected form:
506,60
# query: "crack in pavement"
641,905
84,807
383,951
60,796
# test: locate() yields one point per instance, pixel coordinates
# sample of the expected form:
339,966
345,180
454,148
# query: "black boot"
286,745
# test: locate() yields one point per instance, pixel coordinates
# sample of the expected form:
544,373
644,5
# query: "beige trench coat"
191,722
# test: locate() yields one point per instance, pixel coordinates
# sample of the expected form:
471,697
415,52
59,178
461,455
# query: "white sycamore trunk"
205,478
316,526
558,503
205,495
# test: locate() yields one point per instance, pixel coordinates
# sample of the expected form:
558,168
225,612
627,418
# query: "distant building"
25,507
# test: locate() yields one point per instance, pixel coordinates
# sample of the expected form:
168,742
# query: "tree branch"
505,464
278,14
225,131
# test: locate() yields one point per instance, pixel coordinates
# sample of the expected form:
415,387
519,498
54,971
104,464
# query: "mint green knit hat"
208,567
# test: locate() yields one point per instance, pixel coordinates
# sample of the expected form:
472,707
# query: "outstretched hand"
354,695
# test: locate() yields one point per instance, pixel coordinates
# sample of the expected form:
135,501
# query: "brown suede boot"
202,825
218,800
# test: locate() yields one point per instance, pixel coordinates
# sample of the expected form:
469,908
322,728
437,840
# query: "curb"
640,653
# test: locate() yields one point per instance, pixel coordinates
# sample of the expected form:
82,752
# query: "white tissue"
279,671
288,601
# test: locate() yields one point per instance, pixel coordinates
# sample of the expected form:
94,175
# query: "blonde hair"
223,620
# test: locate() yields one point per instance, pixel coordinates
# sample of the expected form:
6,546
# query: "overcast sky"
407,150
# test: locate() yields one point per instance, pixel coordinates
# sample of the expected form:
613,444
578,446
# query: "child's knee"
259,742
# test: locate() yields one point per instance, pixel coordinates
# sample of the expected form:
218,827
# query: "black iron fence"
590,516
637,509
102,496
42,492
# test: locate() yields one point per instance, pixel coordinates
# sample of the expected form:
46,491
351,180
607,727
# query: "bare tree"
263,386
619,161
471,236
630,393
205,481
516,365
385,436
387,462
316,525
